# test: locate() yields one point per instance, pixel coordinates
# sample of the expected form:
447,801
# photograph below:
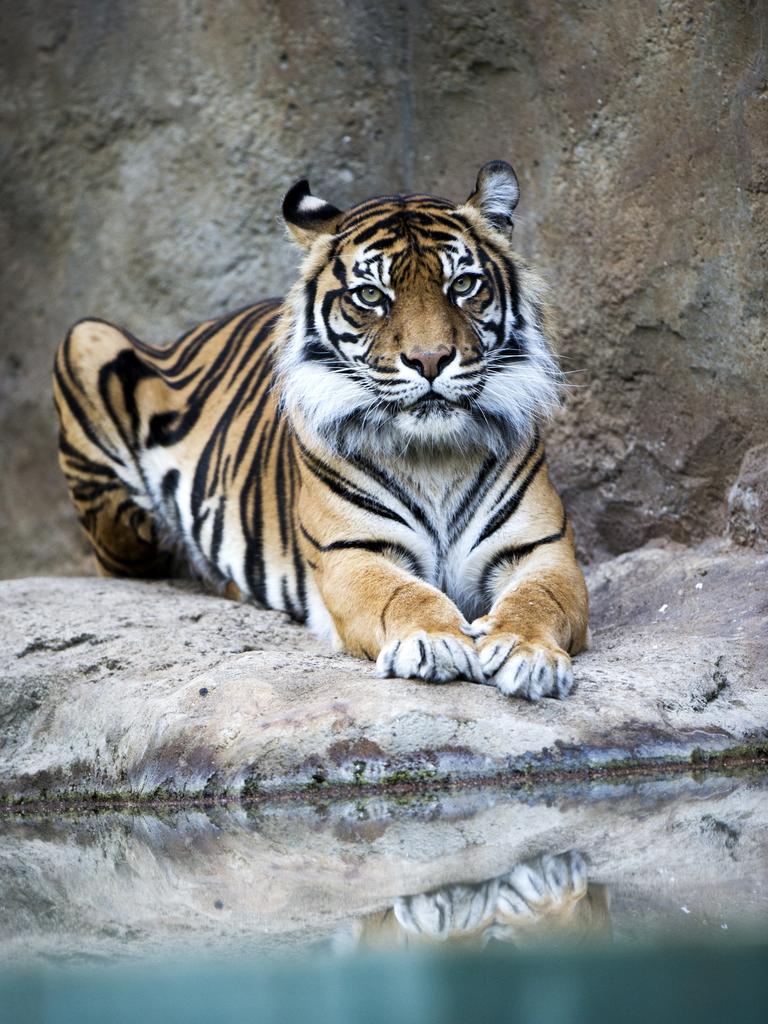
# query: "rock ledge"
131,689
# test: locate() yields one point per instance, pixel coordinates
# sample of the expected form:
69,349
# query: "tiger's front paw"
525,669
434,657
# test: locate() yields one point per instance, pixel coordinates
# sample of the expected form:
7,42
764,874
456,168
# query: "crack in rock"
41,644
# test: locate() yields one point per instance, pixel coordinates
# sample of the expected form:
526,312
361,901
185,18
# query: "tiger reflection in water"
544,898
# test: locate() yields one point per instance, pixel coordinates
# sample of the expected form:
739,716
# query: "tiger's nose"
430,364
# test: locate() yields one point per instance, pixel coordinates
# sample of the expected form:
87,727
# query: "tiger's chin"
436,421
426,429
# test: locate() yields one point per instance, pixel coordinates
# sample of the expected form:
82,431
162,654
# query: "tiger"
364,454
544,898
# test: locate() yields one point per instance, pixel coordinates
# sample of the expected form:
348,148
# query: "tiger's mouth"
435,405
432,405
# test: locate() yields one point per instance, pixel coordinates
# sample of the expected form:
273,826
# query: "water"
626,863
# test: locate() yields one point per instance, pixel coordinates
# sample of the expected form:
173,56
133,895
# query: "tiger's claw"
433,657
527,670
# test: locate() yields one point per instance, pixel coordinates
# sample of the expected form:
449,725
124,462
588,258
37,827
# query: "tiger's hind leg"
96,378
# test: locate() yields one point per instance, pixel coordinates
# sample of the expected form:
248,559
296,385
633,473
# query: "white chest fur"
446,487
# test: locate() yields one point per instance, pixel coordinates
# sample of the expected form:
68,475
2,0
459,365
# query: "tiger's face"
415,323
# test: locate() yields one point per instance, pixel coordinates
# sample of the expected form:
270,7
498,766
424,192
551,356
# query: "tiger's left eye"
370,295
463,284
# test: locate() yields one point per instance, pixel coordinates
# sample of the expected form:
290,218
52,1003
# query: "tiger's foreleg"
537,620
383,612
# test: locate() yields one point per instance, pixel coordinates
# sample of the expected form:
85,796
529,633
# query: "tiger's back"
192,457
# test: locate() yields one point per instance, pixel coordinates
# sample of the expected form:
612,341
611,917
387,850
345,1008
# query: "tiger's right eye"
464,284
370,295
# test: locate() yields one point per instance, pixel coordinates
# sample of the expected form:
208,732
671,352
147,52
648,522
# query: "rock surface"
131,688
150,145
748,501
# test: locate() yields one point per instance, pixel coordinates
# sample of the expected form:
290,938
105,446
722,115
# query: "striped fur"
363,455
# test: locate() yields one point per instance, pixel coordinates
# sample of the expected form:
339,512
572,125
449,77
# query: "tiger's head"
414,323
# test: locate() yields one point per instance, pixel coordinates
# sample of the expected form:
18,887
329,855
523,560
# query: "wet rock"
145,689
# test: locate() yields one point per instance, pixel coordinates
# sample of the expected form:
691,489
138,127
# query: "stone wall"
147,147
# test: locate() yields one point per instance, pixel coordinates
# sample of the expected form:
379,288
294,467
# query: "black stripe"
350,492
389,483
79,462
376,547
261,335
521,465
169,428
512,503
474,495
258,380
298,560
218,531
272,427
83,421
89,490
186,348
252,527
314,351
280,486
515,553
391,220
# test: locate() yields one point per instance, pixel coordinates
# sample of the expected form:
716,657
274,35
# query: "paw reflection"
446,912
541,898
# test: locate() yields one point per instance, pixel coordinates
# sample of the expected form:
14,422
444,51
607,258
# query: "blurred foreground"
677,984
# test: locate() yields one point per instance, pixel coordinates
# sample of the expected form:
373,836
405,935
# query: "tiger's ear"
496,194
307,216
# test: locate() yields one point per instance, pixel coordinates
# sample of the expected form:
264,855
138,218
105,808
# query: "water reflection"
468,867
546,898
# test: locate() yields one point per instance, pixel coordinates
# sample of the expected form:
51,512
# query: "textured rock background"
147,146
